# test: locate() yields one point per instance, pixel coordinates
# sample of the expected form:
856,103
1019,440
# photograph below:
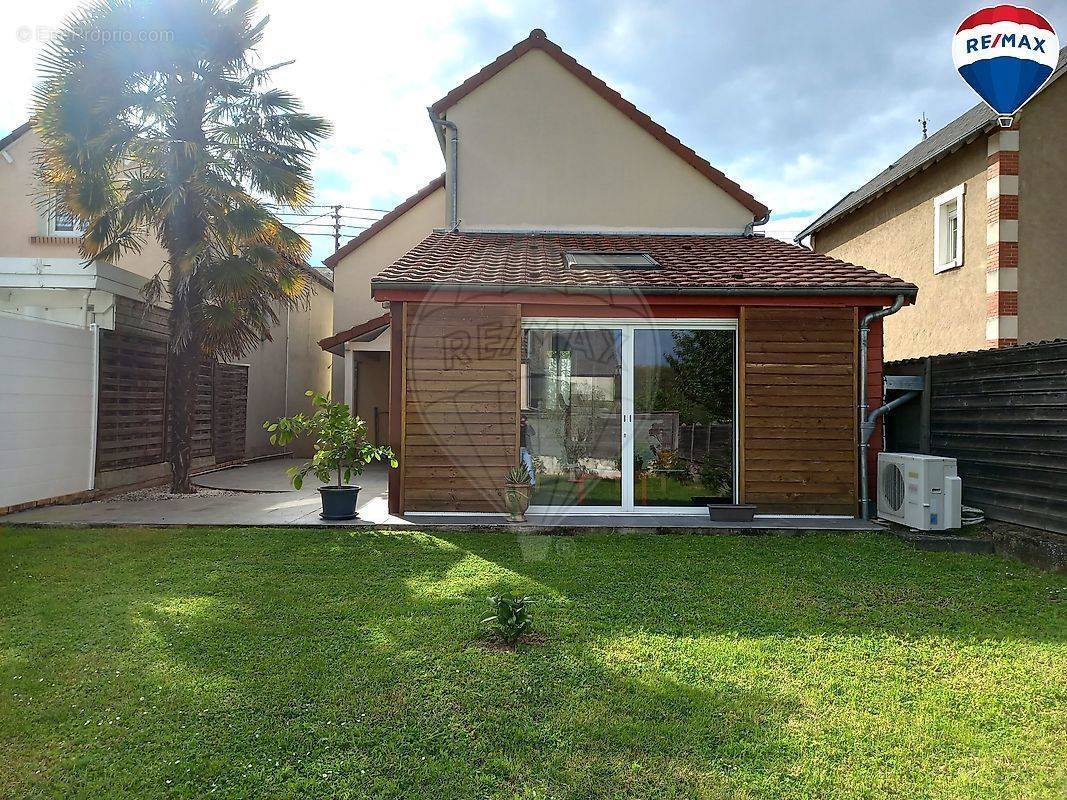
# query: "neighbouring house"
973,215
592,301
362,342
82,361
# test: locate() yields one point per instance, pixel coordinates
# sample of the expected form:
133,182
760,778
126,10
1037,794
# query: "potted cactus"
341,447
517,483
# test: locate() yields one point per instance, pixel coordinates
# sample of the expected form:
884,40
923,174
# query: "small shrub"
715,477
518,475
511,618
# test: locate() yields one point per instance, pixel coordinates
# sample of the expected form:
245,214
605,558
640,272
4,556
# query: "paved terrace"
259,494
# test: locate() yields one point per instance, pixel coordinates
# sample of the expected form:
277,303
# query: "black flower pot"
339,502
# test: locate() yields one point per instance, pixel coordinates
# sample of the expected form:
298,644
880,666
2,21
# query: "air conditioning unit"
919,491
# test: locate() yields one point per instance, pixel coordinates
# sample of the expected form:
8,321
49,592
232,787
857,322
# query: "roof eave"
962,141
908,290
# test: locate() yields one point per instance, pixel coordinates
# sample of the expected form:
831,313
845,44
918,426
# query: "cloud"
800,102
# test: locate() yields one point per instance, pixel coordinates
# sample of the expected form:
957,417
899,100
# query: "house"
593,301
973,216
82,364
361,341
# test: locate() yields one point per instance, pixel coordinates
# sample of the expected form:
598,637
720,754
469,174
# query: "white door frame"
627,328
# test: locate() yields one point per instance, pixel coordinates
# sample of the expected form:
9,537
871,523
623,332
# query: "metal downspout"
749,228
869,422
441,122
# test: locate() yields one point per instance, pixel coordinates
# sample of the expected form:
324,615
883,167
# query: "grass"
331,663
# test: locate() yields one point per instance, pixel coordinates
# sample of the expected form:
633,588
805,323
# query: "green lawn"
325,663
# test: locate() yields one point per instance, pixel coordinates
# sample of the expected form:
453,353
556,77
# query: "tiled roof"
335,258
687,264
947,140
537,40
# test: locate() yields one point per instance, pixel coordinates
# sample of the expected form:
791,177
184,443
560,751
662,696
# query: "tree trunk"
184,234
183,372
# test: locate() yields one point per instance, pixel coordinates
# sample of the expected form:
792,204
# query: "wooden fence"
131,429
1002,414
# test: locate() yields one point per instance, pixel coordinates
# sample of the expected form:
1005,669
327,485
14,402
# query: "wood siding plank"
460,405
797,370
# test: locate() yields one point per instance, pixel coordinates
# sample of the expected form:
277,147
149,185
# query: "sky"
800,102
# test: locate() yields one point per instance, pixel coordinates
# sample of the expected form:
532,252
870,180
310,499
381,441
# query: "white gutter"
441,122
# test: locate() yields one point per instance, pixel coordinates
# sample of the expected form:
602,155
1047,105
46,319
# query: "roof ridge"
538,40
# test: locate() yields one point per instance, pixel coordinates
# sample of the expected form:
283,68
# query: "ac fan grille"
893,487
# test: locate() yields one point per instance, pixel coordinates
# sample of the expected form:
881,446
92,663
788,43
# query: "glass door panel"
683,417
570,431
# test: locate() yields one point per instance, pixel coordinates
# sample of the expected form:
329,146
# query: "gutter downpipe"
868,422
441,122
761,221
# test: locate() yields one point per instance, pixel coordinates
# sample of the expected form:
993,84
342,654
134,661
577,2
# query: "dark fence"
131,429
1002,414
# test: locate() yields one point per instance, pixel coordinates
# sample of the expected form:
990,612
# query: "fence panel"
1002,414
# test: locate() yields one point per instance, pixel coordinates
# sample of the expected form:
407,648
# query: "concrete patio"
259,494
251,494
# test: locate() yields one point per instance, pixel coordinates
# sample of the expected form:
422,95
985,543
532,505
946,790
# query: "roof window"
612,260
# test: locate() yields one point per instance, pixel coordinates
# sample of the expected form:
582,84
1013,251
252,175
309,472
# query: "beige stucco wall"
1042,218
309,366
282,369
538,149
351,278
895,234
20,218
266,388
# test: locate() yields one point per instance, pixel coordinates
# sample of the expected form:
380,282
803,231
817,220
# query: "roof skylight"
612,259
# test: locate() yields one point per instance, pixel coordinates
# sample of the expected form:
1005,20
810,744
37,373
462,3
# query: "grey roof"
946,141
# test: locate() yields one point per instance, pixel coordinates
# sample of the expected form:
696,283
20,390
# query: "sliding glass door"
629,416
570,429
683,420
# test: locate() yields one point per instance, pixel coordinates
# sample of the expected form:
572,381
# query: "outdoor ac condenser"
919,491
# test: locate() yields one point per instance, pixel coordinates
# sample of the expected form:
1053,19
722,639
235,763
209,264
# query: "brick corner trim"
1002,238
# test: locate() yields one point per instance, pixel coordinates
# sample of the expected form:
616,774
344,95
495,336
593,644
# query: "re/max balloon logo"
1006,54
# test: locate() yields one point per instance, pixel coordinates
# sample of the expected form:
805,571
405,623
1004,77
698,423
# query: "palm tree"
156,122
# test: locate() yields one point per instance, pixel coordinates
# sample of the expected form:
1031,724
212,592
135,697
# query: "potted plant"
517,484
341,447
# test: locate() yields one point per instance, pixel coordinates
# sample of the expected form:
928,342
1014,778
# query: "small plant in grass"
511,618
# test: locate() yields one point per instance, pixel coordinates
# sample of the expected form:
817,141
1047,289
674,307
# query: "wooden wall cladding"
461,405
798,410
131,430
133,382
1002,414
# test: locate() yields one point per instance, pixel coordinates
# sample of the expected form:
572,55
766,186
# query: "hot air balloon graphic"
1005,53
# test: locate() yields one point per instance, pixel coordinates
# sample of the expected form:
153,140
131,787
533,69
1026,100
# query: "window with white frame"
62,221
948,230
